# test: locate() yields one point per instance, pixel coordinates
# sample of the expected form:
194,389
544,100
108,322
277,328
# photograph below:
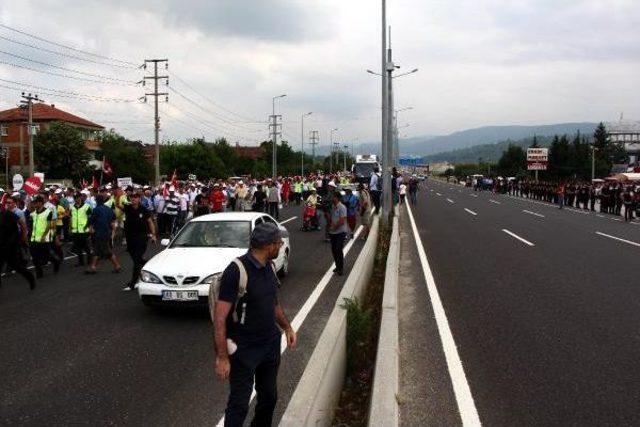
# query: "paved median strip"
471,212
514,235
533,213
618,239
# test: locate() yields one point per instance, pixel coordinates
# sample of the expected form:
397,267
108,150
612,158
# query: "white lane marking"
288,219
471,212
307,306
438,194
533,213
615,219
473,195
618,238
450,201
431,189
526,242
600,216
464,399
495,201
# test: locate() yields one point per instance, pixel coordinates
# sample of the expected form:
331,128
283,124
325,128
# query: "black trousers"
81,247
261,362
41,255
337,242
136,247
375,197
274,211
13,258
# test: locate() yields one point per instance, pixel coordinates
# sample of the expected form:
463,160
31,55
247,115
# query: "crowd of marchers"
610,197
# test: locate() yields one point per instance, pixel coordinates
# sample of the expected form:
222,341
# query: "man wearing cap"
138,227
253,351
79,226
102,227
42,230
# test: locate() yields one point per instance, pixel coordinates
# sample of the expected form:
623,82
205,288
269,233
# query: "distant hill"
486,152
427,146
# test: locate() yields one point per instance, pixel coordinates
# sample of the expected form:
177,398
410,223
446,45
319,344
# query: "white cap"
58,191
332,184
172,188
85,192
240,182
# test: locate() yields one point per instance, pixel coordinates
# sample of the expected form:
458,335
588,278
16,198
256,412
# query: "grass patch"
363,327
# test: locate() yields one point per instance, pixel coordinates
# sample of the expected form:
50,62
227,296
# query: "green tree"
60,152
560,157
196,157
608,152
126,157
513,161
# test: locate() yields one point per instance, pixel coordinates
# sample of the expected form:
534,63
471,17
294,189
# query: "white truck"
364,166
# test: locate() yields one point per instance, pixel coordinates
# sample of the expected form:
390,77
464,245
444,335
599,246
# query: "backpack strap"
242,287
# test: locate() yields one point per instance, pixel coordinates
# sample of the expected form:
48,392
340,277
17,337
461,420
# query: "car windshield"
214,234
364,169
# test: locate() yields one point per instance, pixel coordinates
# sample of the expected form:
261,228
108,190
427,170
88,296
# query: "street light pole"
302,140
386,180
344,156
274,141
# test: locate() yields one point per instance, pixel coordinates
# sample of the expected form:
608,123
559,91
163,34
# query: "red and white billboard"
537,159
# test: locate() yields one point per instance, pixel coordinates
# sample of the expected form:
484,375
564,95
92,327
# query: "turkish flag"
106,167
32,185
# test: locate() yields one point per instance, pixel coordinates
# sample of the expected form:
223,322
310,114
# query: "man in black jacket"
10,242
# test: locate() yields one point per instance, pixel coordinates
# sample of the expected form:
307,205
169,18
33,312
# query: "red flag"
165,191
106,167
94,182
85,184
174,179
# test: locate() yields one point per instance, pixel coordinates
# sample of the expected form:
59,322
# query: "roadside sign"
125,182
18,182
537,159
32,185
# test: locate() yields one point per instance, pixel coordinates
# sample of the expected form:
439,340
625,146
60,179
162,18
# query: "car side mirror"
165,242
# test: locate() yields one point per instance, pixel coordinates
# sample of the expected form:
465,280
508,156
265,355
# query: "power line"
9,39
186,98
206,123
24,58
60,95
248,119
95,55
70,94
66,76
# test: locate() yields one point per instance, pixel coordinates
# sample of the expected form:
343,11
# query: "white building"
627,132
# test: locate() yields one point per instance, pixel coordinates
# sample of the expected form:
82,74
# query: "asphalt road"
543,305
78,350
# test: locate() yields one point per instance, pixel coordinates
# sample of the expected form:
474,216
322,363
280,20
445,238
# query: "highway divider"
318,392
383,409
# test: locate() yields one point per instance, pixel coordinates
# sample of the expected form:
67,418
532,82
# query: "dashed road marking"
438,194
473,195
471,212
495,201
512,234
450,201
533,213
618,239
288,219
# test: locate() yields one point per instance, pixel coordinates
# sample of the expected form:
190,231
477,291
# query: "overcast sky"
482,62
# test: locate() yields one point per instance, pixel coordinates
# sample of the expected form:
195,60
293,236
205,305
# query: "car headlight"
210,279
148,277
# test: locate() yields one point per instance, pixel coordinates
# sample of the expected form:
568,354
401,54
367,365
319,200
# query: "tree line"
569,158
60,153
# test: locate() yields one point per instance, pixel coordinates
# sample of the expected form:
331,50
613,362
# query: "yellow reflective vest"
40,227
79,218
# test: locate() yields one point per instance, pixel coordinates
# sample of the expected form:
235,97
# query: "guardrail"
383,409
317,394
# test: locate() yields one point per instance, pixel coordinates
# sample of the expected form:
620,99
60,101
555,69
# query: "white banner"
18,182
125,182
537,154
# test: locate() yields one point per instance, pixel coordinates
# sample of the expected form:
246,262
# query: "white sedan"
204,247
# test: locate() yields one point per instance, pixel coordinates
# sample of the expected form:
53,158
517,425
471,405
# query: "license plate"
179,295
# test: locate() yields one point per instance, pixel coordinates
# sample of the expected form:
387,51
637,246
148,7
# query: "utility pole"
315,140
344,155
274,131
155,95
387,203
302,139
27,102
331,149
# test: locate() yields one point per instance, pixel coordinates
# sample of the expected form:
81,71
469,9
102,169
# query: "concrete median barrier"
318,391
383,410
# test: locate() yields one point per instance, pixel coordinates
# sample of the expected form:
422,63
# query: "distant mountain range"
427,146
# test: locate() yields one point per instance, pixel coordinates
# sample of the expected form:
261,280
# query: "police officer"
254,347
138,227
42,229
79,226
